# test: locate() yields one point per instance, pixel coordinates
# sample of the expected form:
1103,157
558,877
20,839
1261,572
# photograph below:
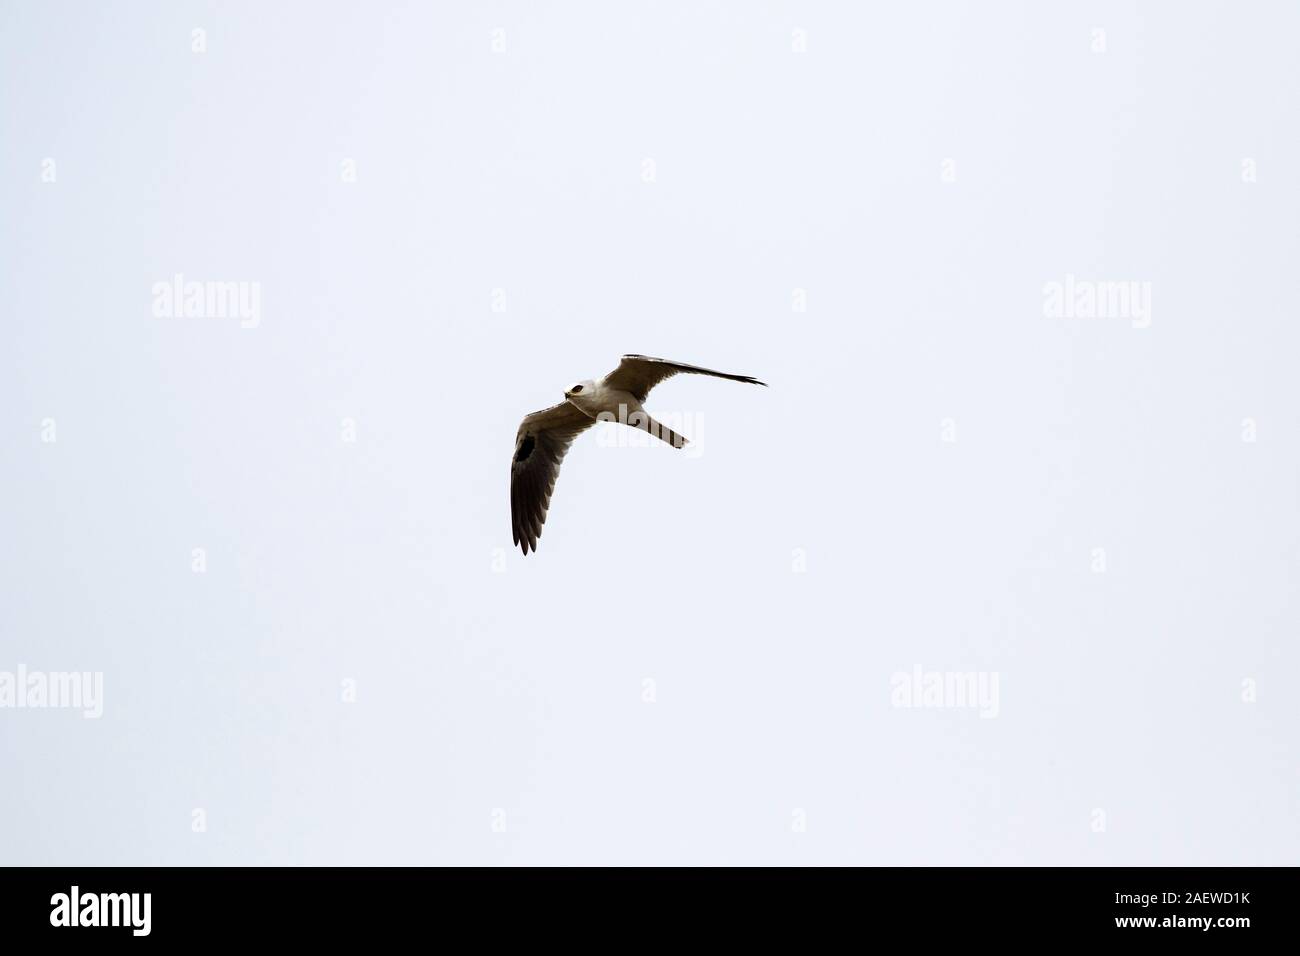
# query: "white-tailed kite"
544,437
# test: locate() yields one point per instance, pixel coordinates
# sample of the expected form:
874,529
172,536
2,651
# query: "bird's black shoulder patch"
525,448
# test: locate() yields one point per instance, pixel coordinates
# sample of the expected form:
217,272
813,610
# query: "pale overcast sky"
282,539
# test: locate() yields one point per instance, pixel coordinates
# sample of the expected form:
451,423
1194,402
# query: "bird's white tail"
642,420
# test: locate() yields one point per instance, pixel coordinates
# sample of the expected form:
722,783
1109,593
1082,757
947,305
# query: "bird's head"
579,389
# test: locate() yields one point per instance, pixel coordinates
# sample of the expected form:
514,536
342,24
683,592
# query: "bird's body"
597,399
544,437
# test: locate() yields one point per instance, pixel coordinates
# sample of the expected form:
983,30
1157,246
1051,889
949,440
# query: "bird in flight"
544,437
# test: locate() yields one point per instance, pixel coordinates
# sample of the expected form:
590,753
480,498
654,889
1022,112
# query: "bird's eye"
576,389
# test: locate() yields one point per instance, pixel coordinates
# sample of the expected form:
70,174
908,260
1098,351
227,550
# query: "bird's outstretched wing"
640,373
543,439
